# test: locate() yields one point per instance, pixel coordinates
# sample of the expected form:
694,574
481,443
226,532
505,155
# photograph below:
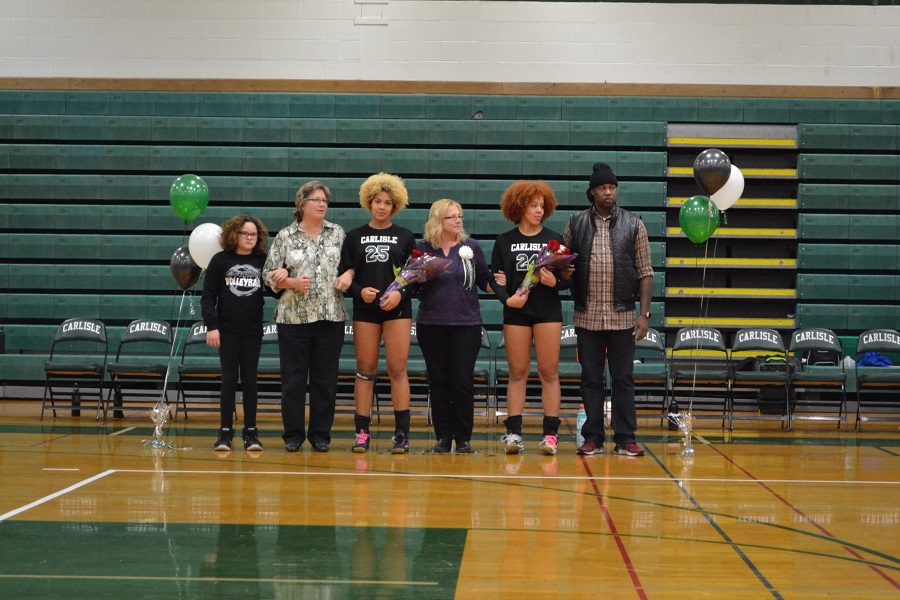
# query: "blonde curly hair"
384,182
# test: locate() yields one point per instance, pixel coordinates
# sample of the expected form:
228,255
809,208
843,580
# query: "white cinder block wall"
430,40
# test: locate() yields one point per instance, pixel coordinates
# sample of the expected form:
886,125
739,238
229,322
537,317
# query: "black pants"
450,352
595,348
309,352
238,355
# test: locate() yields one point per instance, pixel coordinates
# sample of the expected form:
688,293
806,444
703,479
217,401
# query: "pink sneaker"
361,445
549,445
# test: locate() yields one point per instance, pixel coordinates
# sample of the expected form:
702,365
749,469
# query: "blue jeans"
595,349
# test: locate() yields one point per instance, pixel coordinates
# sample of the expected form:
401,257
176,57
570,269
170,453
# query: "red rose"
416,253
553,246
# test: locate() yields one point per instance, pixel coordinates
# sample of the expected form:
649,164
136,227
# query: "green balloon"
698,218
189,197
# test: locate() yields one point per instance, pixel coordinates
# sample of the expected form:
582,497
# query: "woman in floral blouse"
448,324
310,315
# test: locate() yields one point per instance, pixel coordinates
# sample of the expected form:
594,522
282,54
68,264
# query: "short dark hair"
304,193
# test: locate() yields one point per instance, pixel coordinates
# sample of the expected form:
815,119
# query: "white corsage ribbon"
466,255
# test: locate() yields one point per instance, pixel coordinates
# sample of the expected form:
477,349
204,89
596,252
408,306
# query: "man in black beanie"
612,272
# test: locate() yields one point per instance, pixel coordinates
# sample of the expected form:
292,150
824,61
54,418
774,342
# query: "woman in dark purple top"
448,324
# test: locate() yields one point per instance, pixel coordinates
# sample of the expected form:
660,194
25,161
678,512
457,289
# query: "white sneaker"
514,444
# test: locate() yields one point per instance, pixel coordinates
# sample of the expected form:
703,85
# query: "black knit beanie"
602,175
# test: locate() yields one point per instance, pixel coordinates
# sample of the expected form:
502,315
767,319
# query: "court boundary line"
716,527
890,580
54,495
499,476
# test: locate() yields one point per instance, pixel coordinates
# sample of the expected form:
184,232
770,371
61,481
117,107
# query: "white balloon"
731,191
204,243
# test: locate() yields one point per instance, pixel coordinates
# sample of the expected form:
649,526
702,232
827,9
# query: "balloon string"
172,350
184,237
704,313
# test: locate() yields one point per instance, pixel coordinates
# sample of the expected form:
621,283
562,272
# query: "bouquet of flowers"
553,256
419,267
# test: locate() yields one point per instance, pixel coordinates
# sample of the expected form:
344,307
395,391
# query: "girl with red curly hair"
533,316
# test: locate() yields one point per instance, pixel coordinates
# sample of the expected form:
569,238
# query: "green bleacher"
87,229
849,217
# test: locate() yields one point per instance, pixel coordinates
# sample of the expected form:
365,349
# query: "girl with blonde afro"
371,254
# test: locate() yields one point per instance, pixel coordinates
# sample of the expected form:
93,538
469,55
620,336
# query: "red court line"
629,566
805,517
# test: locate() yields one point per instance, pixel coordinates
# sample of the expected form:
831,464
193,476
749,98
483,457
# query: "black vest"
623,229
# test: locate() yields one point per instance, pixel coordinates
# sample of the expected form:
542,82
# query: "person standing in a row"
448,324
232,308
371,253
304,262
612,272
529,316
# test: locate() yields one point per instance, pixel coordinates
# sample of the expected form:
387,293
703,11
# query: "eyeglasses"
454,218
321,200
248,235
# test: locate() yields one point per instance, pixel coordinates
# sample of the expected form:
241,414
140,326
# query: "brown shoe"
628,449
589,448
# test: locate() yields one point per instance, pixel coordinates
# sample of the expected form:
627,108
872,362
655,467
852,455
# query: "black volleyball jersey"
373,254
513,252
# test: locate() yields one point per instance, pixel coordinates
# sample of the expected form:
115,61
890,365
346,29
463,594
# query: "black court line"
890,580
709,519
883,449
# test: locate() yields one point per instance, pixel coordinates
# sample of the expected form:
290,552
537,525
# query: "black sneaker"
464,447
223,442
251,439
401,444
443,446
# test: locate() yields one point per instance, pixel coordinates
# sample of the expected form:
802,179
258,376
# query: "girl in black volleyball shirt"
530,316
232,307
371,253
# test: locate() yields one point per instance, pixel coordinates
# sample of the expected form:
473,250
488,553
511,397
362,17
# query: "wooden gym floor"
87,511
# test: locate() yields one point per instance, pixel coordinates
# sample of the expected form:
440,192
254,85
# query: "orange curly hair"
517,196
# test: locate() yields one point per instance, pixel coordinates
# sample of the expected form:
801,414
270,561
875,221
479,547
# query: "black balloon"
185,271
712,168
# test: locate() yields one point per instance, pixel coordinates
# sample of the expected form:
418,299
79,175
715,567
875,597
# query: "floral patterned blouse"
318,259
